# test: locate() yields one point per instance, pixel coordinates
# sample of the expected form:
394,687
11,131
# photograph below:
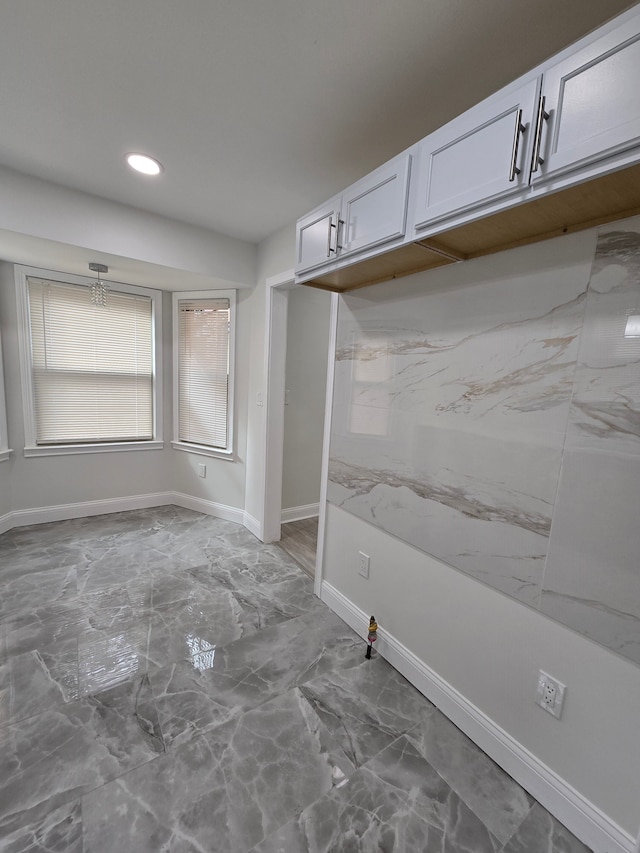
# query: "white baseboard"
207,507
252,524
82,509
569,806
298,513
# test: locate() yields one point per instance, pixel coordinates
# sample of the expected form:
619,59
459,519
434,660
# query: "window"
90,372
204,331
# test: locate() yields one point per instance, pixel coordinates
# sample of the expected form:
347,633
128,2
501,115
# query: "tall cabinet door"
317,236
592,99
478,157
374,210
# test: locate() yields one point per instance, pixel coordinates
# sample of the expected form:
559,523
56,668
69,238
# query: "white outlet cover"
550,694
363,564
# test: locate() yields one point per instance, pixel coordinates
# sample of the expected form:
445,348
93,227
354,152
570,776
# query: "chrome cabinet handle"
519,129
329,246
543,115
337,245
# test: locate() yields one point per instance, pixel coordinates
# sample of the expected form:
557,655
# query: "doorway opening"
300,541
299,335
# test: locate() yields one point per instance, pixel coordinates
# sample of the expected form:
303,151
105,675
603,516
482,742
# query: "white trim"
221,452
282,279
21,273
326,441
5,452
24,352
229,456
299,513
83,509
73,449
252,524
569,806
206,507
275,353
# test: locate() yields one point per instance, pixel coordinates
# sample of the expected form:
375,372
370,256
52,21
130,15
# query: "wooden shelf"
414,257
606,199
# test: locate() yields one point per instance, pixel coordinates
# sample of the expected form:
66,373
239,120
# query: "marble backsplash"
489,415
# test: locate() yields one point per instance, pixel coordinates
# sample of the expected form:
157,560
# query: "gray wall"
275,256
306,381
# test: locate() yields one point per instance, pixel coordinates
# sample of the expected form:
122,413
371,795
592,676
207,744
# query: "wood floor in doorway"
300,540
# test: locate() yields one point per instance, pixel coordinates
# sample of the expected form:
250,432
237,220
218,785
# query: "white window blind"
92,365
203,371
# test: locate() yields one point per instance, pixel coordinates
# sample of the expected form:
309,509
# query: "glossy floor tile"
168,683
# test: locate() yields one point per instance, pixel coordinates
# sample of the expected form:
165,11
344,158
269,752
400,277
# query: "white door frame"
275,352
328,412
275,355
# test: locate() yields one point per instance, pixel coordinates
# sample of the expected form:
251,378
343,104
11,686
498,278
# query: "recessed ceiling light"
144,164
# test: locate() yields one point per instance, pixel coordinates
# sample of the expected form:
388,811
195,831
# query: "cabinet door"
374,210
593,102
477,158
317,236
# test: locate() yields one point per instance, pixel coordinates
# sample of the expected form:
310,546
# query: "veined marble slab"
493,421
592,577
606,398
450,411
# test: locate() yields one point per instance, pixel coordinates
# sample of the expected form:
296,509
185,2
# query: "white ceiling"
258,109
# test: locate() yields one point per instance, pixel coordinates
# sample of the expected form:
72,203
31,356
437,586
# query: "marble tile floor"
169,683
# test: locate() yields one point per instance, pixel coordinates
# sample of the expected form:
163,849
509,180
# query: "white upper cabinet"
317,236
482,155
368,213
592,104
374,210
574,119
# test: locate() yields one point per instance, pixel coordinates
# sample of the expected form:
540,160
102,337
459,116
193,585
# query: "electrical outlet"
202,470
550,694
363,564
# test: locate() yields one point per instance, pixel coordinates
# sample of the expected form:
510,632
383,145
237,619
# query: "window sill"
5,455
227,455
74,449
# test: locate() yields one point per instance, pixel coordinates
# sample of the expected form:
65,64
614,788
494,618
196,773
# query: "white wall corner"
567,804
